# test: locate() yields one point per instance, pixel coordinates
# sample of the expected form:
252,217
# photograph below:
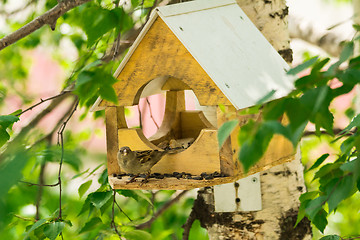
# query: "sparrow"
138,162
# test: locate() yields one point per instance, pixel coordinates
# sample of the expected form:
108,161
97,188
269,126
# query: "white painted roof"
231,50
228,46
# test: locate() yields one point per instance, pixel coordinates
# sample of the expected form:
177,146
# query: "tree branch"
49,18
336,132
329,41
188,224
161,210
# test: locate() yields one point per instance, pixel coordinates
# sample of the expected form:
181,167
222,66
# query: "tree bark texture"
282,185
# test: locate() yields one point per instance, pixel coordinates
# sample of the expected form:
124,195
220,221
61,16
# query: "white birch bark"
282,185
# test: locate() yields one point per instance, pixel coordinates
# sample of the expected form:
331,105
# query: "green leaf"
274,109
314,206
356,27
330,167
52,230
225,131
84,187
342,189
98,199
4,136
331,237
302,66
319,161
97,21
138,235
320,220
355,122
266,98
135,194
347,52
7,120
10,174
36,225
108,93
89,226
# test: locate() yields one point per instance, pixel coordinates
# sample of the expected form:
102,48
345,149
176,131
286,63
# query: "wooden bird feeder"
212,48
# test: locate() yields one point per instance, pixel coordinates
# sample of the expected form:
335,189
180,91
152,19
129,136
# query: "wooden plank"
192,122
167,183
160,53
111,118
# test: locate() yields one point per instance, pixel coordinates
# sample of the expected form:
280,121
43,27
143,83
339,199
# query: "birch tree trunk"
282,185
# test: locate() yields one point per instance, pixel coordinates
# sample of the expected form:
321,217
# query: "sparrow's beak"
125,152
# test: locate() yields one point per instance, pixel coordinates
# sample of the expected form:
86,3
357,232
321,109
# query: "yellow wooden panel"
160,53
200,157
175,85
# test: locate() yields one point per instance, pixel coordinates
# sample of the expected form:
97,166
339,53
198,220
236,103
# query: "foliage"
94,30
308,103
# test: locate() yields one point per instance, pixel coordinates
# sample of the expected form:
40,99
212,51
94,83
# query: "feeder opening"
168,114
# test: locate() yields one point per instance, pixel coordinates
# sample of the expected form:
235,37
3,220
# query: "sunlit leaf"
331,237
319,161
138,235
90,225
36,225
84,187
52,230
98,199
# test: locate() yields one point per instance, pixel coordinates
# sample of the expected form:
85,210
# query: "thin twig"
151,115
41,102
43,185
61,143
57,125
350,238
161,210
112,223
49,18
123,212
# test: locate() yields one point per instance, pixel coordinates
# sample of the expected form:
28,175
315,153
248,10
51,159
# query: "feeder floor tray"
169,183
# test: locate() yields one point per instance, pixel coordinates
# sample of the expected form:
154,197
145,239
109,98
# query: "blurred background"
38,66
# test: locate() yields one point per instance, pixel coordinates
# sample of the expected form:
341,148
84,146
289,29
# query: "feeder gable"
213,47
158,54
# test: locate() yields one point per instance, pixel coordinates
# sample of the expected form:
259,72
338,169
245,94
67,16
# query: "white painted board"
242,195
